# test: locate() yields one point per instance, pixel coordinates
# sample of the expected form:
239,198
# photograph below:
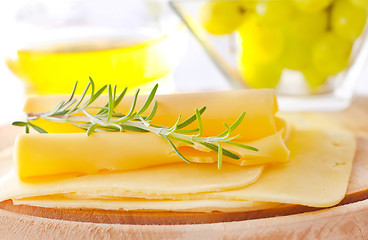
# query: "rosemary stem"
76,112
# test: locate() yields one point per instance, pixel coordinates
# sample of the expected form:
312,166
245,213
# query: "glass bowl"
56,43
311,52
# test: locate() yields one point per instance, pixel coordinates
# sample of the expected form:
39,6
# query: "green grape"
297,53
360,3
311,5
260,75
347,20
222,17
331,54
260,41
274,12
314,78
309,25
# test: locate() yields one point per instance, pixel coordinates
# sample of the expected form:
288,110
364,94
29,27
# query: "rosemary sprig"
77,113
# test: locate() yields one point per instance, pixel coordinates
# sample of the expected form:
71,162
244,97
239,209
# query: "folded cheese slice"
44,155
69,152
260,107
316,175
170,179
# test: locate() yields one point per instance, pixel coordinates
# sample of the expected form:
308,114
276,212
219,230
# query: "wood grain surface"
348,220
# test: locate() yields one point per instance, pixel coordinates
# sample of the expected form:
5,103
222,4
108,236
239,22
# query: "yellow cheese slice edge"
205,205
178,178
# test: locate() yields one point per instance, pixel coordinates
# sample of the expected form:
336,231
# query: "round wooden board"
348,220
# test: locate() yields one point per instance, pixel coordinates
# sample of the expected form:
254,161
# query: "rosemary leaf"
227,133
199,120
20,124
219,157
97,94
149,100
91,129
133,129
157,126
224,151
237,122
111,104
73,92
173,128
187,130
37,128
117,115
175,149
93,119
105,109
81,98
114,95
190,119
92,89
132,107
243,146
234,125
182,140
228,138
153,112
53,111
120,97
66,106
108,128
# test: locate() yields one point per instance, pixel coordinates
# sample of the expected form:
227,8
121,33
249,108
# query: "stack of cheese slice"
140,171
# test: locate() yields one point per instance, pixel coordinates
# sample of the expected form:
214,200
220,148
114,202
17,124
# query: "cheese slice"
316,175
78,154
71,153
178,178
260,107
209,205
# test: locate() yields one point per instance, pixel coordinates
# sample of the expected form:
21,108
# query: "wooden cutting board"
348,220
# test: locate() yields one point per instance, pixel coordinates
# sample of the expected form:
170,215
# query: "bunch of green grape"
314,37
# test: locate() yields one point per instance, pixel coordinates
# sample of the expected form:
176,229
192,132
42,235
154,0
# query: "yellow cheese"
209,205
178,178
260,107
77,153
317,175
71,153
272,149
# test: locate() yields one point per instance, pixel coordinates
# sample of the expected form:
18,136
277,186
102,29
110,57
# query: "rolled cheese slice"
222,107
45,155
69,152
